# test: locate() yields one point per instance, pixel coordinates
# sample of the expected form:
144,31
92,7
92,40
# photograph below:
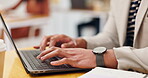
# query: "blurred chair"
80,4
95,23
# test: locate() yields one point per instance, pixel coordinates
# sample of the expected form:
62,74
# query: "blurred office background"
30,20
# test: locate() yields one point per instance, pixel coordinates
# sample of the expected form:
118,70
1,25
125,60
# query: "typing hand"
76,57
62,41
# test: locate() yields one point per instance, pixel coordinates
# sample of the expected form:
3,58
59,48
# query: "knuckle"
58,50
52,48
66,60
54,38
74,60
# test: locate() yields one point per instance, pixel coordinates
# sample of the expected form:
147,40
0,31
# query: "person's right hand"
62,41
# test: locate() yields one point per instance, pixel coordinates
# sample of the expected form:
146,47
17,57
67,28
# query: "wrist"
93,60
110,60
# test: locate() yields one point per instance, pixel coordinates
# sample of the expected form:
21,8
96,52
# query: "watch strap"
100,60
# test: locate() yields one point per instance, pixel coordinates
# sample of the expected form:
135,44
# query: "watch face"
99,50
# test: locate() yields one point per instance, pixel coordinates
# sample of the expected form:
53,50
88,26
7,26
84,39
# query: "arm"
108,38
132,58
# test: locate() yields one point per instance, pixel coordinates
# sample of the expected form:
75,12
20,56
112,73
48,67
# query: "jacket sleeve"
132,58
108,38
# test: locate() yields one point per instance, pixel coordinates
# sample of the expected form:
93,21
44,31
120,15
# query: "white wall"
65,22
4,4
61,21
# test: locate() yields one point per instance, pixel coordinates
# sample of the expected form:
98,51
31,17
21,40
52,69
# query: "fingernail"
63,46
42,58
52,63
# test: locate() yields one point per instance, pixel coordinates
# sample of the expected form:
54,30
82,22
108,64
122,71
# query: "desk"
14,69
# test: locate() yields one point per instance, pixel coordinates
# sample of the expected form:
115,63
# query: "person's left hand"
76,57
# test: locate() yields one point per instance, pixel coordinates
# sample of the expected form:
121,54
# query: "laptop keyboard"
37,64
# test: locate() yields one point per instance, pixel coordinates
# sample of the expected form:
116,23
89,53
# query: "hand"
76,57
62,41
56,40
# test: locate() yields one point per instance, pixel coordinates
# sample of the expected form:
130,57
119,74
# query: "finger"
44,42
50,55
65,45
60,62
54,40
58,40
45,52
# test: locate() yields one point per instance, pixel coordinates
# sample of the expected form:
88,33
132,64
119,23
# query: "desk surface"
14,69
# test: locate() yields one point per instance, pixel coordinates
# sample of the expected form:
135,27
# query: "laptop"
34,66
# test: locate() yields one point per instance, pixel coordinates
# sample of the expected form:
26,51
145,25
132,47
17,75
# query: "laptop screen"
3,25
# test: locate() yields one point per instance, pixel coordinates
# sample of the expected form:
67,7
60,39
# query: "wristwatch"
99,51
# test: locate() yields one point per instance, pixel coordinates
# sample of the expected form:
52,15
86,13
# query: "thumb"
60,62
36,47
68,45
